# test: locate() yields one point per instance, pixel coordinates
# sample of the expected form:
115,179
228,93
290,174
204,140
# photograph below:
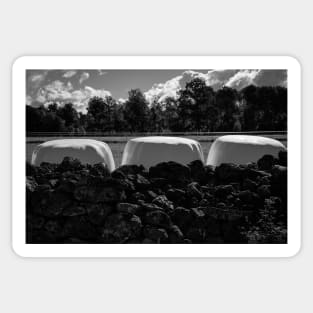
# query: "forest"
197,108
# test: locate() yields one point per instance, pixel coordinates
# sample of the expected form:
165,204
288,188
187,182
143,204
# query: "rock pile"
171,203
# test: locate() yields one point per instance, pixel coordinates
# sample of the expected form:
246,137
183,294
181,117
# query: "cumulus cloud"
60,92
242,79
84,76
37,79
237,79
69,74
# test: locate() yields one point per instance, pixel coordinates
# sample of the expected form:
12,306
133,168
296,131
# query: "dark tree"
196,103
227,106
136,111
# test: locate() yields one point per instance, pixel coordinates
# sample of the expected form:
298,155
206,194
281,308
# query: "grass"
117,144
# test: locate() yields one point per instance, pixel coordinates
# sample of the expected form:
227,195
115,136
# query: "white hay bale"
88,151
242,149
149,151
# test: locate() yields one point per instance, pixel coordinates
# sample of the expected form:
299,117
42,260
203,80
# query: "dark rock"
148,241
194,190
127,185
80,227
197,170
182,217
67,185
255,174
159,182
164,203
197,213
117,174
46,168
265,180
266,162
131,169
159,235
53,226
175,234
31,184
69,164
135,197
213,225
149,207
222,191
53,182
250,198
120,228
227,173
35,222
282,158
176,195
279,174
158,218
31,170
100,169
127,208
279,181
204,203
151,195
264,191
196,234
249,184
51,204
141,183
174,172
209,174
74,210
97,213
110,191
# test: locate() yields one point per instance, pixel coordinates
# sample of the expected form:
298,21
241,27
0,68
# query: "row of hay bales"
75,201
149,151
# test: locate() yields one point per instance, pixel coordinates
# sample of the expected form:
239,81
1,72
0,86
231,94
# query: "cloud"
242,79
69,74
102,72
84,76
121,100
35,80
237,79
60,92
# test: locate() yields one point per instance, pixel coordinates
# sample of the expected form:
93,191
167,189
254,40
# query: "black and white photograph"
156,156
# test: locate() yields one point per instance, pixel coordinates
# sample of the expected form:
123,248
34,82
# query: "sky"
78,86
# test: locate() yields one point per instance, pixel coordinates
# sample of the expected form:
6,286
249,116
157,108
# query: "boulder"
174,172
120,228
159,235
127,208
175,234
266,162
110,191
97,212
158,218
229,172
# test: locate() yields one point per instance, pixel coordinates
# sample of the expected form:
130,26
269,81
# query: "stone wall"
170,203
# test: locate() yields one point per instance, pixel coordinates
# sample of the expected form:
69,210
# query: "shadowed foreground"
170,203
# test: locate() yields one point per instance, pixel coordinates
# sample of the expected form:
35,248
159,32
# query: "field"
117,144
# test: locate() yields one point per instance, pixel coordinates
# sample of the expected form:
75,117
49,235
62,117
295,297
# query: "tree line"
197,108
